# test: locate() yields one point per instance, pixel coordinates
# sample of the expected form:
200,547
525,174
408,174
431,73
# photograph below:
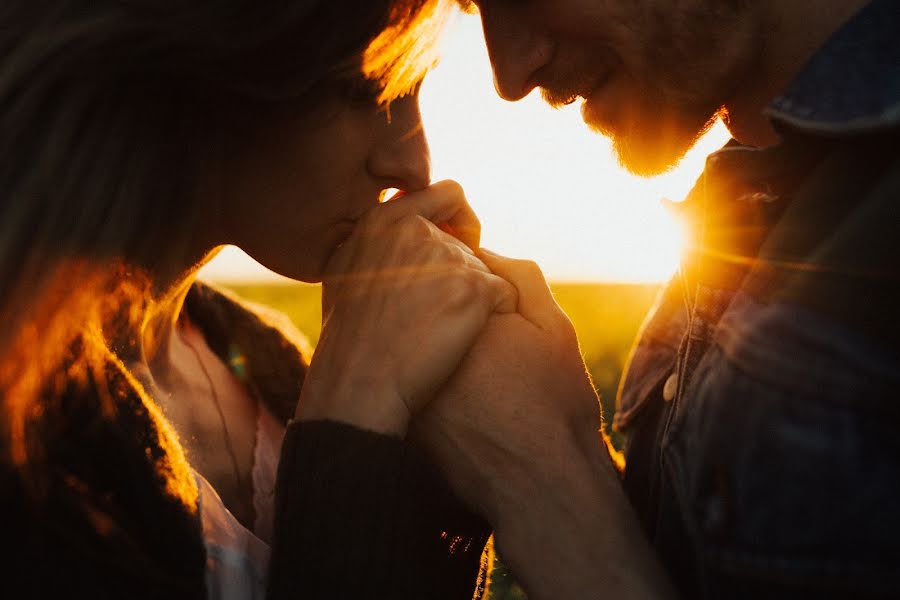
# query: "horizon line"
279,280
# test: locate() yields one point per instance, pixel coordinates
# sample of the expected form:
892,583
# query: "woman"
142,412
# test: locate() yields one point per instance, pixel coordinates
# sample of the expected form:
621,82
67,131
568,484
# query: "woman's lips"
346,225
386,195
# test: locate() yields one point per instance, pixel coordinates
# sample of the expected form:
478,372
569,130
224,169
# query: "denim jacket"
761,406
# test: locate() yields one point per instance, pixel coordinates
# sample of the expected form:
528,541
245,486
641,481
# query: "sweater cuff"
361,514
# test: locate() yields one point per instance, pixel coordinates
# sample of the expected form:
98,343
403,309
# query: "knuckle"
455,255
440,253
529,267
449,263
450,188
463,287
415,226
526,270
411,231
475,281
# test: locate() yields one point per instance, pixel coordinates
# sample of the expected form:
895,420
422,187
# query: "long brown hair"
108,110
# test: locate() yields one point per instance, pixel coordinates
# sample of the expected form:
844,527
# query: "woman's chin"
309,275
310,270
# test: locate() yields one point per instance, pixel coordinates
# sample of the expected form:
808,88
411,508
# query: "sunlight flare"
543,185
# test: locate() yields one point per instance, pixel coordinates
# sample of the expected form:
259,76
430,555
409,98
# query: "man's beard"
649,138
651,129
655,109
689,73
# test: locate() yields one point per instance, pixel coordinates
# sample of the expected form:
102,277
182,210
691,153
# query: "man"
760,406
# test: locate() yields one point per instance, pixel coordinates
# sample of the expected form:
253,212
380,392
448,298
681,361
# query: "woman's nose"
400,158
516,49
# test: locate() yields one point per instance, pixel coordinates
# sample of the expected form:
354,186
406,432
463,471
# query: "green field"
606,317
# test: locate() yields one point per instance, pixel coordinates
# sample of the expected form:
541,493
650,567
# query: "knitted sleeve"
363,515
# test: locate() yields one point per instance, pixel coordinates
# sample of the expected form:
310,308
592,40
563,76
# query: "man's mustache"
558,98
562,89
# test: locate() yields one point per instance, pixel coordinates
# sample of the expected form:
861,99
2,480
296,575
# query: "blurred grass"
606,317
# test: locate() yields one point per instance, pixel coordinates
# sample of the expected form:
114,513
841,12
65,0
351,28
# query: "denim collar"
852,84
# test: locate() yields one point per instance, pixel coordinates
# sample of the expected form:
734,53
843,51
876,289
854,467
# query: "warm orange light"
543,185
401,55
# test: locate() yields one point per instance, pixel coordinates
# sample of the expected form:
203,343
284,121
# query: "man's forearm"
573,534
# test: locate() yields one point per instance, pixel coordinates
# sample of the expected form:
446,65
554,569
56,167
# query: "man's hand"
516,431
519,403
403,301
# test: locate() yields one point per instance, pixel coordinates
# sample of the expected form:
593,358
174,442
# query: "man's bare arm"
517,433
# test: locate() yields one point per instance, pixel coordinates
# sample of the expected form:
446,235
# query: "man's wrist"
571,533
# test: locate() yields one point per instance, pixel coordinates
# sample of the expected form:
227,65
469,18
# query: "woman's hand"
403,301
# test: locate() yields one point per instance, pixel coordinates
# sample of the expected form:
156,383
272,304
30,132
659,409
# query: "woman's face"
294,192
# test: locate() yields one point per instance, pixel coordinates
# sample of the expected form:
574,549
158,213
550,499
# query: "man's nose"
401,158
517,49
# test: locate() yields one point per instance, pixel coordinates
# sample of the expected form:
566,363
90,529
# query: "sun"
543,185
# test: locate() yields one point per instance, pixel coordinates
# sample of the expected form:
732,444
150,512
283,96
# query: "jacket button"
670,388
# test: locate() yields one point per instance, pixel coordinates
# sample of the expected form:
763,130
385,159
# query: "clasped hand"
403,301
463,351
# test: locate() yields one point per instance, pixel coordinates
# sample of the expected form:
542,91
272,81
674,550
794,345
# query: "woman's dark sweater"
358,514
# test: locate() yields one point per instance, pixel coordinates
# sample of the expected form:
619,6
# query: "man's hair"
108,111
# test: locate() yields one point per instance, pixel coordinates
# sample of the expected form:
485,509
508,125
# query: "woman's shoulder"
260,345
101,507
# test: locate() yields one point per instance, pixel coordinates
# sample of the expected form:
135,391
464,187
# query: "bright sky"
543,186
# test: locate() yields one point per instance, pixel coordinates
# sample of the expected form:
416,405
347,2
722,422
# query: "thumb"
503,294
536,301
